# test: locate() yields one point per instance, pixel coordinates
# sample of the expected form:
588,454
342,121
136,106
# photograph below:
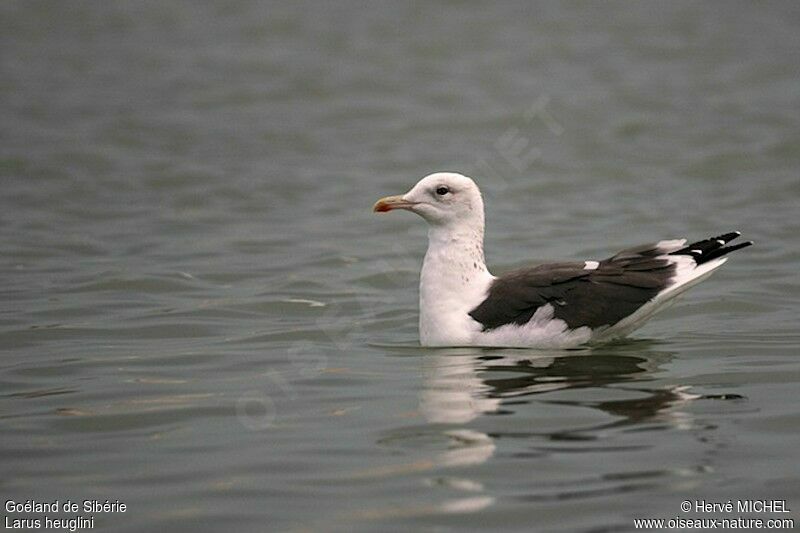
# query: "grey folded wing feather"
580,297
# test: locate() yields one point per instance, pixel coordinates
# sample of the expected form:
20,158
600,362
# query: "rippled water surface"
200,316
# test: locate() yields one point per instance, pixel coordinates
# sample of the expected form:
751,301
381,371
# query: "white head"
442,199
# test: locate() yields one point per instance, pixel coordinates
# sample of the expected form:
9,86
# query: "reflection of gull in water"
462,386
519,377
453,392
469,447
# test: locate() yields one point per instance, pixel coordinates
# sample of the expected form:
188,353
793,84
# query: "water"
201,318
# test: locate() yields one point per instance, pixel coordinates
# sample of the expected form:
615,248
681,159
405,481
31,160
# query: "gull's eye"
441,191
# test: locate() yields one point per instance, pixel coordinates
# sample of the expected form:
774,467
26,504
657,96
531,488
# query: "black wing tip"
739,246
713,248
728,237
724,250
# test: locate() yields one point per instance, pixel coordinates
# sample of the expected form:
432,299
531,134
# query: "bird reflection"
460,385
587,370
463,386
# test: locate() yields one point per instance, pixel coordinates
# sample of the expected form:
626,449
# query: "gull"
557,305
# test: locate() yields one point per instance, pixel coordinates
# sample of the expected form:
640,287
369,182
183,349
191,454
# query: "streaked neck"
453,281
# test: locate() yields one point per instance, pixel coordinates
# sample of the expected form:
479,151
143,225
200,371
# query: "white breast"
453,281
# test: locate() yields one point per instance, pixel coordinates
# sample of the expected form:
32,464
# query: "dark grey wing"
597,297
580,297
514,297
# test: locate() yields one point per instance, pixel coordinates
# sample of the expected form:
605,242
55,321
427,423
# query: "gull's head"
442,199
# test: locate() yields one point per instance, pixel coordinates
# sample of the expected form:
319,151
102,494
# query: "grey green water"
201,318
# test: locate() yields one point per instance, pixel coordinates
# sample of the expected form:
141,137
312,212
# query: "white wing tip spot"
590,265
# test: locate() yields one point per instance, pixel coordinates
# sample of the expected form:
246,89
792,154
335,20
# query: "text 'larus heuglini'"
557,305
